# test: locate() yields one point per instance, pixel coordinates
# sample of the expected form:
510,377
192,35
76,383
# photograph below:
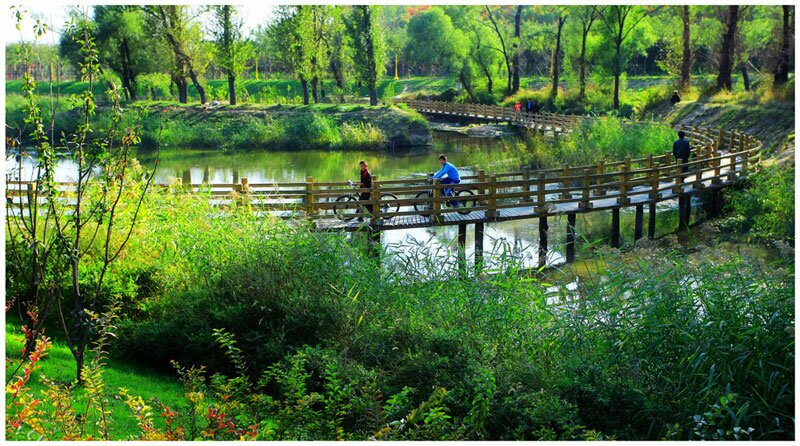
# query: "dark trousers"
366,197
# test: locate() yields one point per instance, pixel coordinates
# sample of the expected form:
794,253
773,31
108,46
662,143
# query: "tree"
516,48
54,235
728,48
781,73
586,16
481,56
433,41
620,21
123,44
506,48
174,25
686,60
339,53
231,50
555,68
364,32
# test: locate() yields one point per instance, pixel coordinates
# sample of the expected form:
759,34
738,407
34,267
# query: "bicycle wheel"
389,208
423,206
466,202
345,207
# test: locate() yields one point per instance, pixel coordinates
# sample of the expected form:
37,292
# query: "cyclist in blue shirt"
448,174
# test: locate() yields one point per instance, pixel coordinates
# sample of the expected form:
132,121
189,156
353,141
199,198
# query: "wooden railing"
719,158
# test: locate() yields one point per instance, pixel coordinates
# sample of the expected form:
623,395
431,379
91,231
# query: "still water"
513,240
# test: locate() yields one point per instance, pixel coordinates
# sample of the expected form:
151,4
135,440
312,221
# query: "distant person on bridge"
366,183
448,174
517,106
529,107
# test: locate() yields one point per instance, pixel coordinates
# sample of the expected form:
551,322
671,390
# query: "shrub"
765,207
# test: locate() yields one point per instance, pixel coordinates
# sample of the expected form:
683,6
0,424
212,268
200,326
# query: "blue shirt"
449,170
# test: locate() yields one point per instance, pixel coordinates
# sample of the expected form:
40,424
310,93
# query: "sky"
253,14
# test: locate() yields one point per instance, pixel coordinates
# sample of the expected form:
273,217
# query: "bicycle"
345,209
451,194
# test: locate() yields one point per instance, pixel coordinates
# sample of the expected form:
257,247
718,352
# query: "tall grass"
642,351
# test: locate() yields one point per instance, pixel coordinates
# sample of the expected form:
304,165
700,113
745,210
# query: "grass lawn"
59,366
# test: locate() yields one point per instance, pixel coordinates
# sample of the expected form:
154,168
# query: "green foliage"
765,207
603,138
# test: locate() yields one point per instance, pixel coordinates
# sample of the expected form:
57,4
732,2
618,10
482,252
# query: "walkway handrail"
720,159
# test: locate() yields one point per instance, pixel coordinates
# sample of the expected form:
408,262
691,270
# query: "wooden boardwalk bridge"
719,160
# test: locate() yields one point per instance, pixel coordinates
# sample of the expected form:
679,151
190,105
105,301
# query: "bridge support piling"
543,240
570,238
615,228
715,207
684,211
478,248
462,251
651,223
639,222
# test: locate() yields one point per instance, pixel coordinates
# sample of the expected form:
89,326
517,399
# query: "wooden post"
717,162
615,228
543,240
481,188
565,183
540,194
720,137
698,178
651,221
623,186
600,179
375,198
570,237
245,192
462,250
586,192
374,244
478,248
310,208
491,213
526,186
732,169
639,222
436,205
655,181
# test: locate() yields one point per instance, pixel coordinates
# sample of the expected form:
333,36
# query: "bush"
765,207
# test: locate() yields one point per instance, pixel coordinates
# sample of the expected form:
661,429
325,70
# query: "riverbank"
322,126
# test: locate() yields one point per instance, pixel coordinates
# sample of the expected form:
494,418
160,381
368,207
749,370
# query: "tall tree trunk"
489,80
582,63
728,42
314,84
555,68
371,61
200,90
232,87
517,49
467,86
782,67
686,63
183,88
745,76
617,72
507,60
304,84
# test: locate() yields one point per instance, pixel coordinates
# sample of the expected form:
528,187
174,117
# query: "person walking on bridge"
448,174
681,150
366,183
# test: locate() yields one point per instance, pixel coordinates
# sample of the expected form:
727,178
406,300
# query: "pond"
517,240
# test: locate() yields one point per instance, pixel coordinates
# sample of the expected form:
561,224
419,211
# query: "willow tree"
366,39
231,50
585,16
183,36
122,43
555,58
620,22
